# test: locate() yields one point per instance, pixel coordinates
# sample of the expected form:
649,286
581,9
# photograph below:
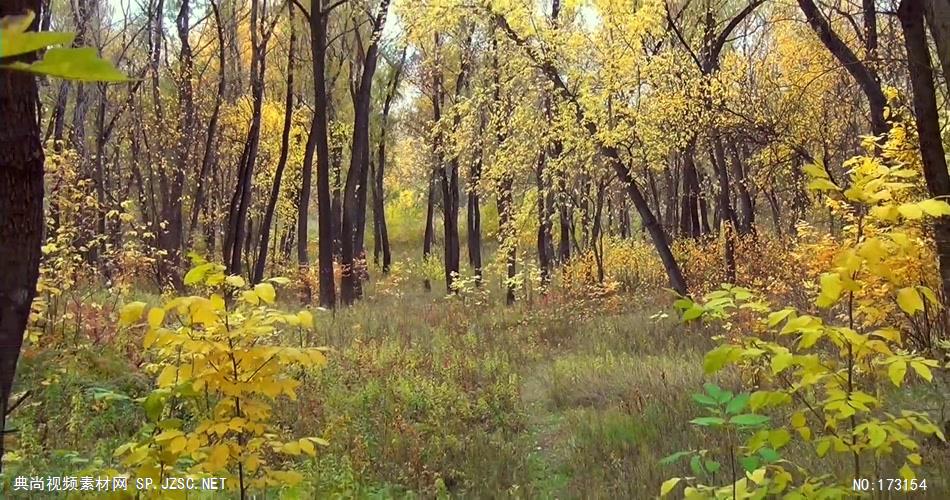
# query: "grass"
426,396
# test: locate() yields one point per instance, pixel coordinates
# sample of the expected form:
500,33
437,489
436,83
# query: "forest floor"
557,396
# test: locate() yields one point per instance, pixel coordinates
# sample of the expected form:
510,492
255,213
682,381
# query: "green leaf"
712,466
696,465
896,372
197,273
708,421
712,389
749,464
719,357
14,44
693,312
704,400
769,455
749,420
737,404
670,459
778,316
74,63
153,406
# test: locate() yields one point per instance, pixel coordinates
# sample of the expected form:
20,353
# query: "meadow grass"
429,396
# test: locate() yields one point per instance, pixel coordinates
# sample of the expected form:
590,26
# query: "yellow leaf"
250,297
876,435
217,302
910,211
922,370
831,285
155,317
668,486
218,457
291,448
909,300
235,281
935,208
823,185
307,447
178,444
891,334
168,435
131,313
167,377
914,458
266,292
305,318
896,372
798,420
781,361
907,473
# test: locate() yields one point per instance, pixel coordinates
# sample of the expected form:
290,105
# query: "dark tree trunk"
545,247
241,200
507,235
429,230
318,145
281,161
725,206
911,15
865,78
564,221
937,13
689,220
210,135
354,194
474,214
21,211
746,207
381,240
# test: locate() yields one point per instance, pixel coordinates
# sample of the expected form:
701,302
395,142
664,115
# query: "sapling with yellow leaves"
825,373
219,367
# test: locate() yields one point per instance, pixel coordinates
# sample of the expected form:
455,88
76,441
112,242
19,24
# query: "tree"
21,170
354,196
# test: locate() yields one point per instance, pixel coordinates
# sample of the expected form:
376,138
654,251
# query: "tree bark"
937,13
860,72
353,202
21,211
241,200
379,207
911,15
281,161
211,133
429,232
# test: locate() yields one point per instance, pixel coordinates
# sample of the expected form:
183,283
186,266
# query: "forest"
474,249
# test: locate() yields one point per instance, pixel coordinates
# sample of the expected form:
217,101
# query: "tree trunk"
353,202
429,230
318,145
21,211
474,215
938,18
860,72
379,207
209,152
241,200
911,15
281,162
